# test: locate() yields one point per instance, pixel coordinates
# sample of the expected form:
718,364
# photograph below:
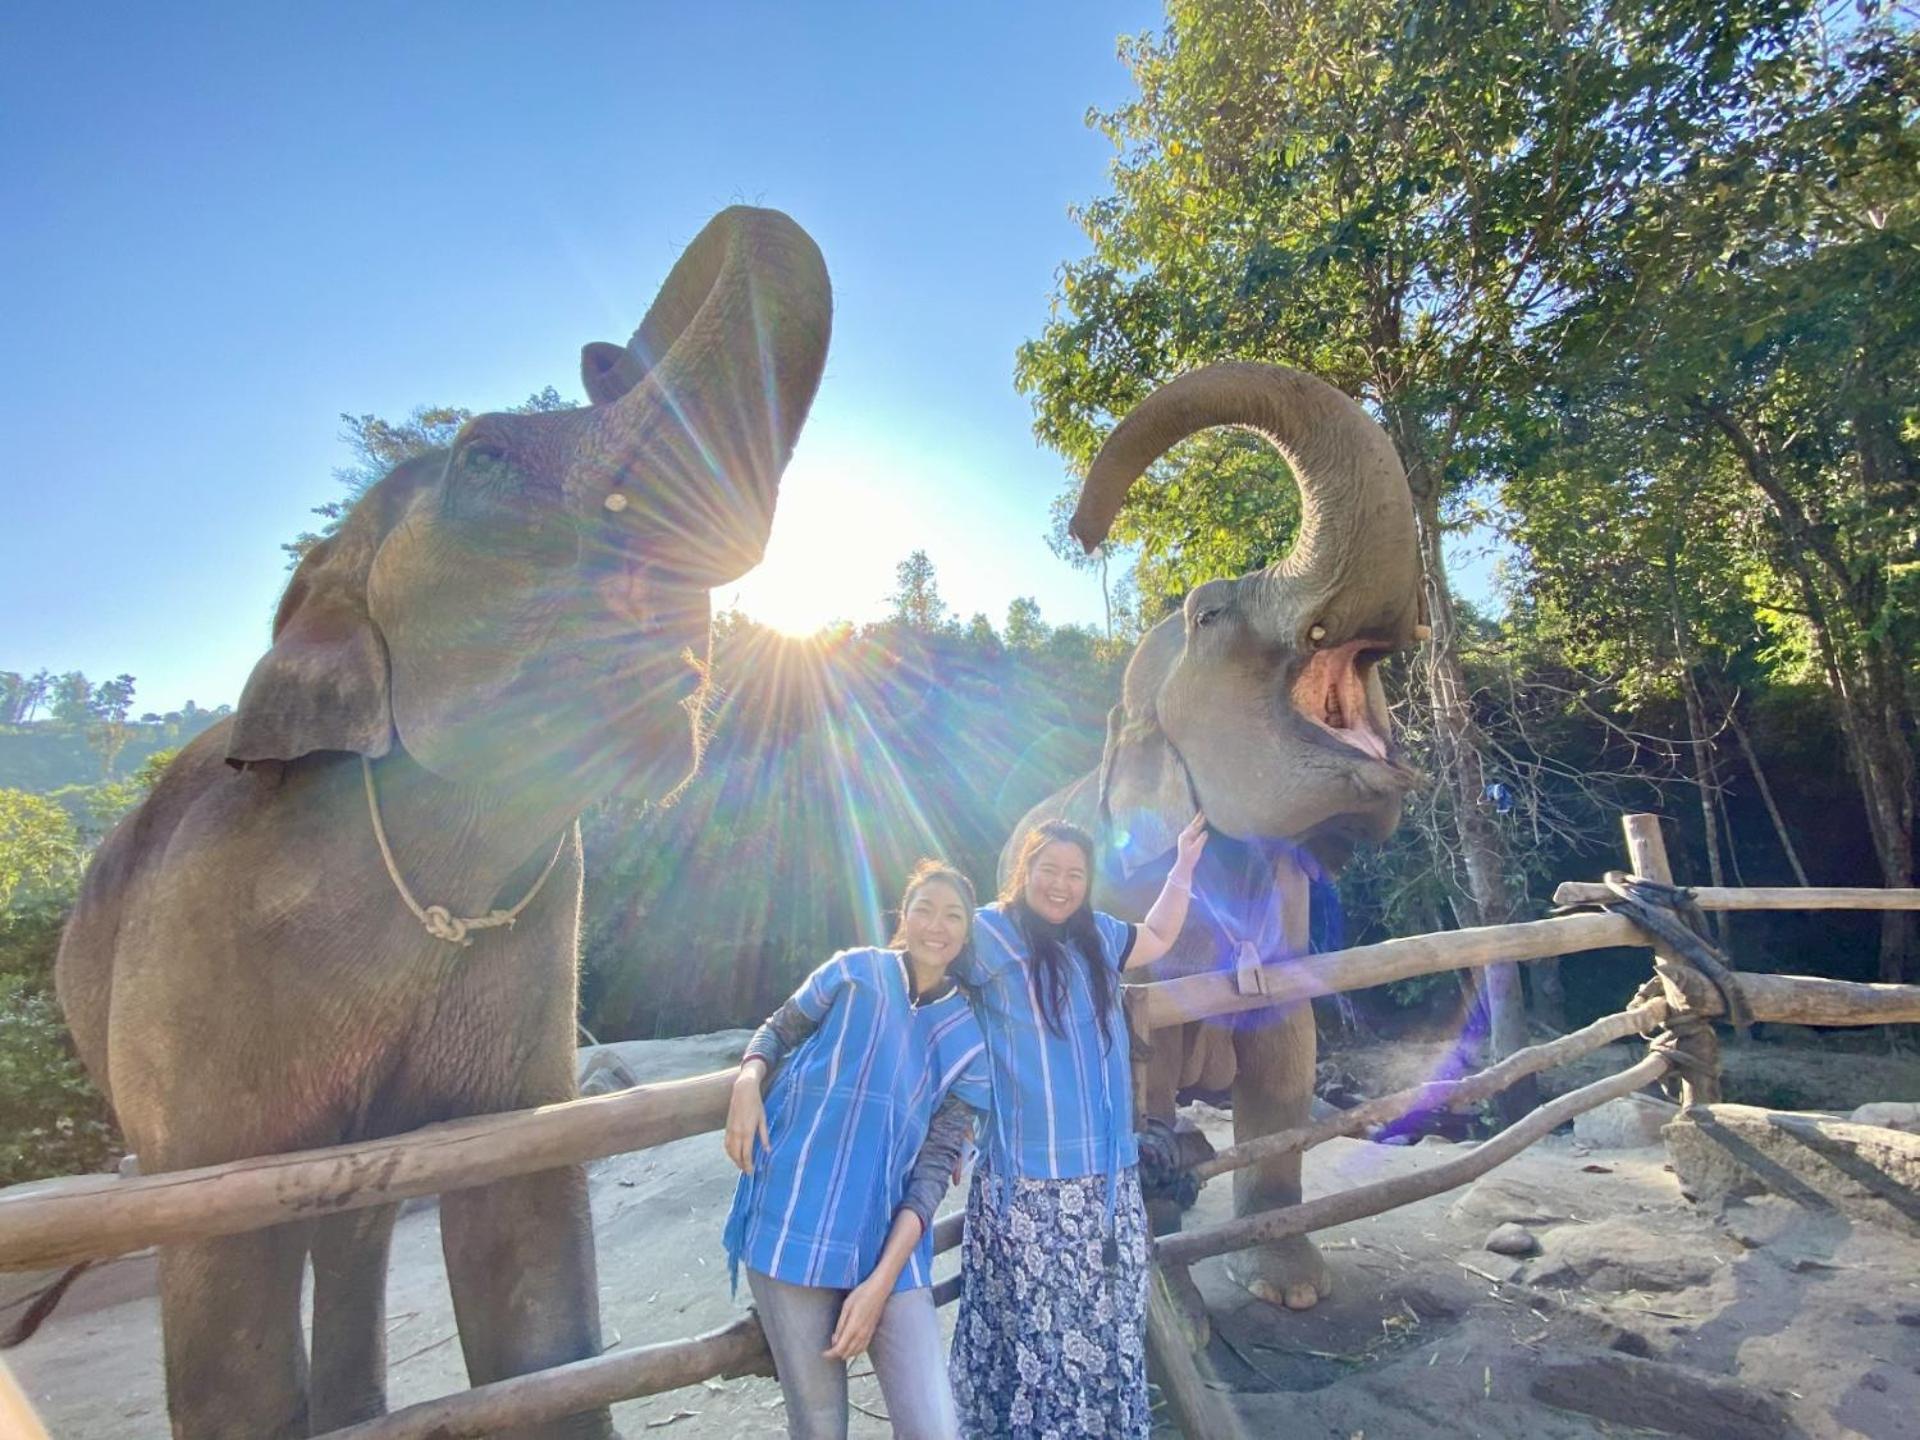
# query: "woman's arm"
1169,913
938,1160
860,1312
797,1018
939,1157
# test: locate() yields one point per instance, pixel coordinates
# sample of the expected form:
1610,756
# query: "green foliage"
52,1122
916,598
40,852
378,446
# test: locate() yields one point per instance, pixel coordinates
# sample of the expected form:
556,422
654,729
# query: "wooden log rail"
1438,1094
1760,897
544,1395
1365,1200
59,1222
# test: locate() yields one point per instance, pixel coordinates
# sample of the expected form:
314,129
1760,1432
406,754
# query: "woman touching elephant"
1051,1335
869,1116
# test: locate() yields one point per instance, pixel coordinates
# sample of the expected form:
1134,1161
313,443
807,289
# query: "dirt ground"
1641,1314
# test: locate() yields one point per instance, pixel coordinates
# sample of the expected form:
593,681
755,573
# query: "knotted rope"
1668,912
440,922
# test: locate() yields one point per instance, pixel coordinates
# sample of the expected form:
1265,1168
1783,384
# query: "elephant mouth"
1330,693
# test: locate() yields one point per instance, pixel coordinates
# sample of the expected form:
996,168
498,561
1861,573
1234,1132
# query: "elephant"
1258,702
498,634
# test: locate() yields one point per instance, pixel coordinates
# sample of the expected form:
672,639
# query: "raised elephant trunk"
1353,573
707,399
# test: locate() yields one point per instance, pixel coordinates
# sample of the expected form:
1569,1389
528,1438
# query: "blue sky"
230,224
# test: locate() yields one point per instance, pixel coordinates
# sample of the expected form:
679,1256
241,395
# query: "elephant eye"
1208,615
483,452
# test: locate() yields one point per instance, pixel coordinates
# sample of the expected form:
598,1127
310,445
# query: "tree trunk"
1766,791
1866,672
1458,749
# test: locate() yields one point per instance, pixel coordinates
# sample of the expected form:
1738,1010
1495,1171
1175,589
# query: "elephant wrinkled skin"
505,630
1258,703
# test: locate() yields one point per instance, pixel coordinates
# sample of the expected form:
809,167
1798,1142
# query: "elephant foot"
1289,1272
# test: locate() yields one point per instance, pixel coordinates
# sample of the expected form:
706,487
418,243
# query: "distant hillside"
48,755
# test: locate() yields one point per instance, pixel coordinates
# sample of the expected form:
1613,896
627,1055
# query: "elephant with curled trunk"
1258,703
277,950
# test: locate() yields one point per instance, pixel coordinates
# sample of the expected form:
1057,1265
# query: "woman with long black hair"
1051,1334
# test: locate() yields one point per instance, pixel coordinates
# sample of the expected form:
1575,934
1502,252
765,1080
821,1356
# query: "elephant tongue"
1331,692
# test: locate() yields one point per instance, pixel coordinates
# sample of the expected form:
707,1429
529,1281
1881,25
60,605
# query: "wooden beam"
1200,1411
1752,897
1686,988
1365,1200
1440,1094
44,1226
1196,997
1807,1000
543,1395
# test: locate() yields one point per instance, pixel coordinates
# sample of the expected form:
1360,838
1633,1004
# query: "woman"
847,1157
1051,1335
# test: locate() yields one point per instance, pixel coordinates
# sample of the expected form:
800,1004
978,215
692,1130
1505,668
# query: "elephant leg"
520,1263
1274,1091
350,1316
236,1359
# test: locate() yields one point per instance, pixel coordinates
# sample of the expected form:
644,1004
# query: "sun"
836,538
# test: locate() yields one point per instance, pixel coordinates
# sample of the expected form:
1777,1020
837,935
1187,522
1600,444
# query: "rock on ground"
1624,1124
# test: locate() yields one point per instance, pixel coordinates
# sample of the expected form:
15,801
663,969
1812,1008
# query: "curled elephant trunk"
707,399
1354,570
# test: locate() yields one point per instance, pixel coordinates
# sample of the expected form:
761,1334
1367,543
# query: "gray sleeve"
933,1168
781,1035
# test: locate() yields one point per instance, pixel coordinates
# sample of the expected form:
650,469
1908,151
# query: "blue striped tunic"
1063,1104
847,1115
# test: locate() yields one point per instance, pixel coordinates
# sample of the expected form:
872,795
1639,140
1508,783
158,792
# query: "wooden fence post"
1685,987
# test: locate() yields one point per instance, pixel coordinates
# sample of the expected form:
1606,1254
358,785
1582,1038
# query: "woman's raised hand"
1192,841
746,1116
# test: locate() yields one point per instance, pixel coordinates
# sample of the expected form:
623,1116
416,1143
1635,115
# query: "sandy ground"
1641,1310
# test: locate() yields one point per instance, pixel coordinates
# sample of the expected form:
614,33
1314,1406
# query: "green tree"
72,699
378,446
1025,630
916,598
40,851
1755,315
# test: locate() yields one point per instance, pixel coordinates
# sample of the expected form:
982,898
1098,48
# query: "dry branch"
49,1225
736,1349
1440,1094
1760,897
1365,1200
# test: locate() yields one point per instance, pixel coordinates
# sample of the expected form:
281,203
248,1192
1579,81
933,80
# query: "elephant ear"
323,685
1145,795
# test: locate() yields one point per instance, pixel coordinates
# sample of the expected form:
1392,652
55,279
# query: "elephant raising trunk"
497,634
1355,509
1260,704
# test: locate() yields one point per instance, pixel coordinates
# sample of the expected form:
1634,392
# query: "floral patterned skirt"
1051,1338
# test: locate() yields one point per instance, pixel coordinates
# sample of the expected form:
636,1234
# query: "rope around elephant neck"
440,922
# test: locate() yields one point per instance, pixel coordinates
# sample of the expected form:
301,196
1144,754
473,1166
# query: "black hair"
1049,944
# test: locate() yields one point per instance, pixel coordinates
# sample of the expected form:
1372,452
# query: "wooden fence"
58,1222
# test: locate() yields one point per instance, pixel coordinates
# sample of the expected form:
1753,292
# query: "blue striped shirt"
1063,1104
847,1115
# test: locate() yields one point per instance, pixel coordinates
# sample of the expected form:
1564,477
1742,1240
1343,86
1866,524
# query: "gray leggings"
905,1351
